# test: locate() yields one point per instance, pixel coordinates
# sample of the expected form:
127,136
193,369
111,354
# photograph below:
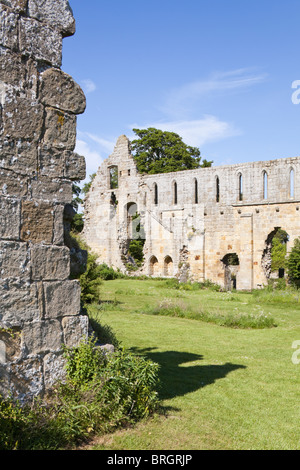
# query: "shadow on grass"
177,380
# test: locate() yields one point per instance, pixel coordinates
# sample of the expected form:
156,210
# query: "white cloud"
181,107
93,158
88,85
184,99
107,145
197,132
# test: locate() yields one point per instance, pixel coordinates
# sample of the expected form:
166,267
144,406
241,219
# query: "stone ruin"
40,305
208,224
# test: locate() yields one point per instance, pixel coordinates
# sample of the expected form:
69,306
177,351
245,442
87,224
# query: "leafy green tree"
159,151
136,250
77,223
76,201
86,186
78,219
278,251
293,264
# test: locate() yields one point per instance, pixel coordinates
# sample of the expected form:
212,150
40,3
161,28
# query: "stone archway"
153,266
231,264
168,266
273,258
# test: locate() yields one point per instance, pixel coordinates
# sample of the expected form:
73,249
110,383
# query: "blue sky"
219,73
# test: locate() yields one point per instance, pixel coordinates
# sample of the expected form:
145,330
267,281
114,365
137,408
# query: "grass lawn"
221,387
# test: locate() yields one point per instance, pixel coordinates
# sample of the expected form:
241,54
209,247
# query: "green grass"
222,387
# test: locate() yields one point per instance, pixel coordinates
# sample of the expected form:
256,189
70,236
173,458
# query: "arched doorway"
231,264
153,266
274,254
168,266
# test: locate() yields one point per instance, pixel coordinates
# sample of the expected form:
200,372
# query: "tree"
87,186
293,264
278,251
76,201
159,151
78,220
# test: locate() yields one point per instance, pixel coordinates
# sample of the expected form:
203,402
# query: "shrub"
100,393
108,273
90,280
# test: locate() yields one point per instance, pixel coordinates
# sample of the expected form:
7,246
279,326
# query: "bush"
121,384
100,393
108,274
90,280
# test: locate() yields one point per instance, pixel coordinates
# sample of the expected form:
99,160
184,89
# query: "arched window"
217,189
240,187
196,191
113,177
292,183
175,193
265,184
155,194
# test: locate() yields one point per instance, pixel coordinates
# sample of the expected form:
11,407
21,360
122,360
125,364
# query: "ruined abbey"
212,224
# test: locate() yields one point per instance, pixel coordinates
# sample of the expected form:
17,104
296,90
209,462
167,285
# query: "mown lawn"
221,387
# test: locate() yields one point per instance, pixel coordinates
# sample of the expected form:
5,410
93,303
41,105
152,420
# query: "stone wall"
40,305
216,212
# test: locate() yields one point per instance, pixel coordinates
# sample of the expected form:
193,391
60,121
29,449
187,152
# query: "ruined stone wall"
39,304
215,212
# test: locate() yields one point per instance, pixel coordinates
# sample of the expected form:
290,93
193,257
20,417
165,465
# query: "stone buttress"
39,304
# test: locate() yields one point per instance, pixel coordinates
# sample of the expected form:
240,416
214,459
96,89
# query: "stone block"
62,299
75,330
75,166
58,14
19,156
41,42
58,231
13,185
50,263
14,260
8,28
58,191
42,336
22,119
12,70
51,162
36,222
10,213
59,90
19,74
60,129
18,302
